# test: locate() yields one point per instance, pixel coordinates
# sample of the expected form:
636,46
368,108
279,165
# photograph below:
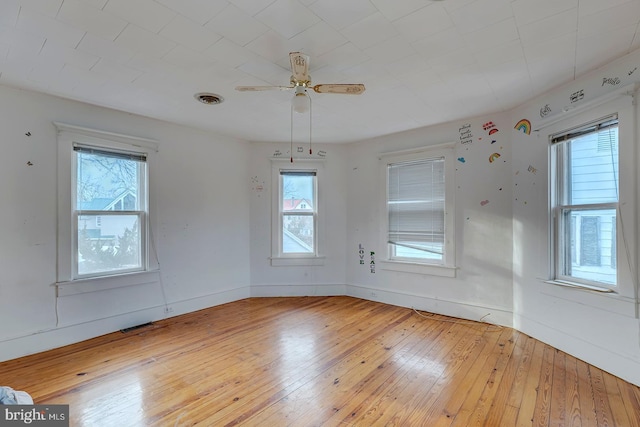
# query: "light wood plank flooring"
322,361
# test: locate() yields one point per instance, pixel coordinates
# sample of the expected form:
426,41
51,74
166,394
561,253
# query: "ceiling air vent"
209,98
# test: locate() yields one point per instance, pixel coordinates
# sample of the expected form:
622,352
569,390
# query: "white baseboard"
297,290
615,363
460,309
205,301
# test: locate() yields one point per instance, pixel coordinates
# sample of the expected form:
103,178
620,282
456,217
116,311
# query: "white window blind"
416,204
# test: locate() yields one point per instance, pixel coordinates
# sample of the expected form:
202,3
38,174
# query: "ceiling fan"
301,81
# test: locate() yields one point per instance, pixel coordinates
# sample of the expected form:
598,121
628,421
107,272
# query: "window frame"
278,257
624,207
67,250
141,214
559,207
447,267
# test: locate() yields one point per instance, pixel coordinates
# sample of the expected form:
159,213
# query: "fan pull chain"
291,148
310,119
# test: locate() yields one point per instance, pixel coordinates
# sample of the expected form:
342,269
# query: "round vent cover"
209,98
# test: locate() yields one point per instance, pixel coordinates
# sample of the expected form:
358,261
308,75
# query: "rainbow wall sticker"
523,126
493,157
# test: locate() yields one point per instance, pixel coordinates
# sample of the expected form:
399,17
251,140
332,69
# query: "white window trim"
277,258
626,210
67,136
448,267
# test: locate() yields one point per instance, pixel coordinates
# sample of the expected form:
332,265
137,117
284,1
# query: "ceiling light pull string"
310,119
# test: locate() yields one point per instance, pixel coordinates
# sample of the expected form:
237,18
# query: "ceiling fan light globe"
301,102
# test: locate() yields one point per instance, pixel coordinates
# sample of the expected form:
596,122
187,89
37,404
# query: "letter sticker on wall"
372,264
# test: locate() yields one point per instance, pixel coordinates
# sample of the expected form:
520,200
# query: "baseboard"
177,308
39,341
614,363
460,309
298,290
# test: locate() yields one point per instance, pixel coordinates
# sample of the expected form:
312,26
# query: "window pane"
108,183
297,193
421,250
589,237
298,207
593,168
114,245
297,234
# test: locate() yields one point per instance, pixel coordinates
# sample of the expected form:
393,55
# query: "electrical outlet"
168,310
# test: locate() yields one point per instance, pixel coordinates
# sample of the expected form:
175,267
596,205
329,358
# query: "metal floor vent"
133,328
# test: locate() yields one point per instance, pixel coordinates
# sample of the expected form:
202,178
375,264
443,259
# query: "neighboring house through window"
104,232
585,196
295,239
110,185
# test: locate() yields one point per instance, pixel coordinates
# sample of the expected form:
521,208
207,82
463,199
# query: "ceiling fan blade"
347,89
299,66
261,88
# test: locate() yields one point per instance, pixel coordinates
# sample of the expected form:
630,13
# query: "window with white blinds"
416,203
419,210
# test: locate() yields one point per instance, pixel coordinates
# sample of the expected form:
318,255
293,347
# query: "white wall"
483,227
213,234
602,329
201,236
327,279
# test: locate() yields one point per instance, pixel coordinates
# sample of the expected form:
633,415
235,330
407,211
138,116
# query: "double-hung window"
104,207
109,210
585,194
419,208
297,212
295,239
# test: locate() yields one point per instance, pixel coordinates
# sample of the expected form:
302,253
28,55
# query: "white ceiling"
423,62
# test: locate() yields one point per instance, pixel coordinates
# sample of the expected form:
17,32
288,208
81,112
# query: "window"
419,207
585,195
105,209
298,217
296,208
110,189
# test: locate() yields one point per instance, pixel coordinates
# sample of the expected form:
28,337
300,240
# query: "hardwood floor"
322,361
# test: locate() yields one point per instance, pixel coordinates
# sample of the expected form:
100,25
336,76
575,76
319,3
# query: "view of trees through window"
109,212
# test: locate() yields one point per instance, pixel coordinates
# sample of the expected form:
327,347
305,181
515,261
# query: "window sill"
297,261
582,286
415,268
104,283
